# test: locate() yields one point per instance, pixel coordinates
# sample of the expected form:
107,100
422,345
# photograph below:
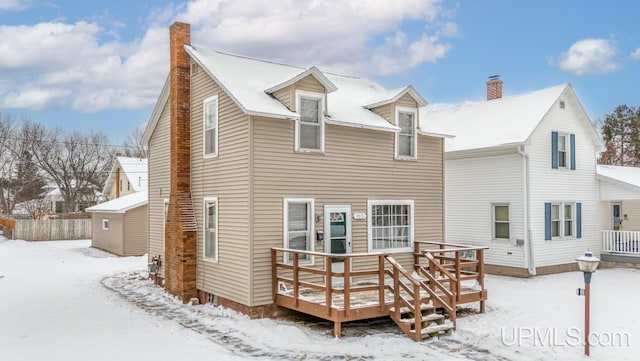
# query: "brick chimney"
494,87
180,241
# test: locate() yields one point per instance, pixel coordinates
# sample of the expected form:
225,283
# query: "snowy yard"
67,301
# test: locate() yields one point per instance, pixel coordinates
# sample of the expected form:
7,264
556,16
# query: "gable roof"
628,177
392,96
500,122
249,82
122,204
134,169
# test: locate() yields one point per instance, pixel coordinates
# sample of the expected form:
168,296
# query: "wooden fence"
51,229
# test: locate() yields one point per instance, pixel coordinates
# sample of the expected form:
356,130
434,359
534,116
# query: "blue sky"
101,64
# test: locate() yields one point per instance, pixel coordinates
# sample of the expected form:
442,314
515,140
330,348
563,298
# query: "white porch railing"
625,242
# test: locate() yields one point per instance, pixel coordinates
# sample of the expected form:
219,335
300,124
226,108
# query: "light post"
587,264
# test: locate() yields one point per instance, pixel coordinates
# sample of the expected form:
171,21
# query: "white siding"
613,192
563,185
472,185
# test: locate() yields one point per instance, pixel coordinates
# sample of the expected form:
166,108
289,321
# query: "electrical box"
319,236
519,242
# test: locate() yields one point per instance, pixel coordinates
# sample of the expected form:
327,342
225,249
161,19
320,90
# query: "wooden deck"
375,285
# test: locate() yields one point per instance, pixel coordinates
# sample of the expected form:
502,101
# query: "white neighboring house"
520,178
620,209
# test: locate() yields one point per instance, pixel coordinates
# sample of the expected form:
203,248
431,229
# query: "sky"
100,65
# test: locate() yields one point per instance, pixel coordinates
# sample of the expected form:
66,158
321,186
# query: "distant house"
128,175
120,224
521,178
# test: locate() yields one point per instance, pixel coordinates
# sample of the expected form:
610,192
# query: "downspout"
527,218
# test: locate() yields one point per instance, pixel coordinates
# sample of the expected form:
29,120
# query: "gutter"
527,221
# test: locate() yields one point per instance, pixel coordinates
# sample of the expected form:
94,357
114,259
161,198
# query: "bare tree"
7,125
133,144
78,163
39,208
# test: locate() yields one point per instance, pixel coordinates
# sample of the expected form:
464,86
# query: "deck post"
396,292
274,275
295,279
337,329
416,257
347,284
381,282
417,312
329,283
458,275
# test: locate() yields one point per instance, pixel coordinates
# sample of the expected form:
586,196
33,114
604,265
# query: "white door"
337,235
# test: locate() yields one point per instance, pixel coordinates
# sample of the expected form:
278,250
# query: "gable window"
105,224
310,126
128,186
390,225
298,228
563,220
501,228
563,150
210,140
211,228
406,141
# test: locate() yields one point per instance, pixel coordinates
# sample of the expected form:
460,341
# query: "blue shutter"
554,150
547,221
579,220
573,151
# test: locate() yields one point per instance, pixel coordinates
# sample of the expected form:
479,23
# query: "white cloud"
589,56
636,54
71,65
15,5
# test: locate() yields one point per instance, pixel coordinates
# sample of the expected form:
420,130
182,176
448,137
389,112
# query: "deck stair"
432,324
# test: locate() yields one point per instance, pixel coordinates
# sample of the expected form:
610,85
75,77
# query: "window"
561,104
390,225
210,107
563,220
59,207
194,68
105,224
128,186
298,227
406,136
563,150
211,228
310,126
501,221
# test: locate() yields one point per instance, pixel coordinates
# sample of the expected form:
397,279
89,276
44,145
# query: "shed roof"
122,204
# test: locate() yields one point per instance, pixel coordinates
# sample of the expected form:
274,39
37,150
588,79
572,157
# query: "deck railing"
451,264
623,242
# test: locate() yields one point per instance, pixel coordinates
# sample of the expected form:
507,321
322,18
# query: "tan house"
128,175
248,158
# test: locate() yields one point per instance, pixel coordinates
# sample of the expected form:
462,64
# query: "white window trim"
206,200
204,129
165,205
567,150
371,203
285,228
493,221
574,224
105,224
414,111
320,97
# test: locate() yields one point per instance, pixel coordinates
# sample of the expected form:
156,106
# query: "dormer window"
310,126
406,140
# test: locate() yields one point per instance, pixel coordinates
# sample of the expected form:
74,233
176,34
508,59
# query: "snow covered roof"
134,169
391,96
625,176
122,204
249,81
508,120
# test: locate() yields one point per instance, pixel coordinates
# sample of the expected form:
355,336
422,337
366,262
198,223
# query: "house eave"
483,152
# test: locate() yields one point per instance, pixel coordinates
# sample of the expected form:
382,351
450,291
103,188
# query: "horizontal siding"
159,183
388,111
472,185
285,96
135,231
109,240
358,165
225,177
613,192
629,207
563,185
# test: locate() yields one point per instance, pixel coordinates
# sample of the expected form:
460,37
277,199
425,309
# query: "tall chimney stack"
494,87
180,241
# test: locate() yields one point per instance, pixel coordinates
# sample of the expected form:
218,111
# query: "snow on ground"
67,301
